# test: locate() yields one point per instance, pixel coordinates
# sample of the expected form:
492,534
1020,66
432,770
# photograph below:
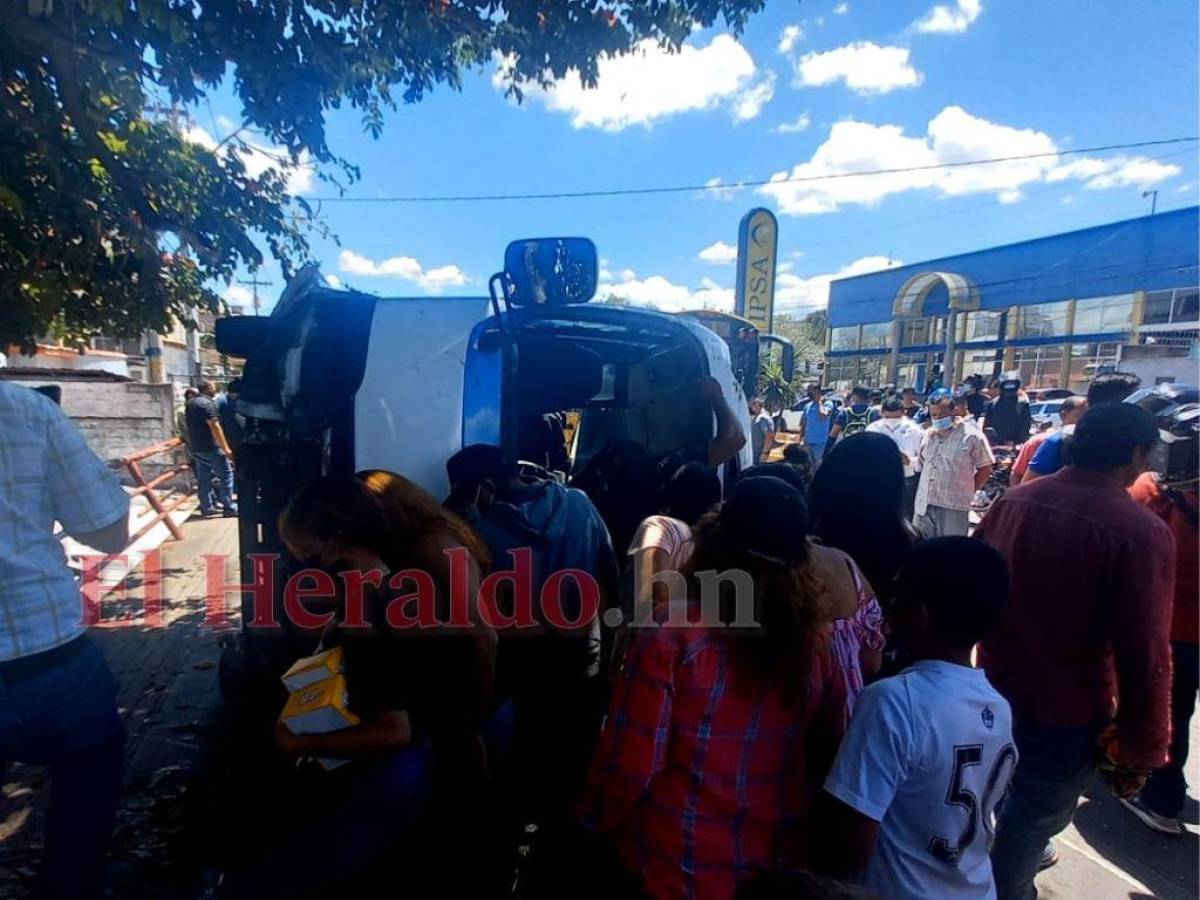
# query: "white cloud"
866,68
803,295
651,84
841,9
792,293
799,125
751,101
333,281
405,267
628,275
1189,188
719,253
718,190
1119,171
952,136
258,158
789,38
945,19
238,295
658,292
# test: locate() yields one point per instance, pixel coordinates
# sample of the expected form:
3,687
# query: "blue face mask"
943,424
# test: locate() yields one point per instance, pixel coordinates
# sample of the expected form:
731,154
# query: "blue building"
1059,309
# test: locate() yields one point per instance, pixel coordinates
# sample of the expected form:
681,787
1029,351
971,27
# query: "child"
930,752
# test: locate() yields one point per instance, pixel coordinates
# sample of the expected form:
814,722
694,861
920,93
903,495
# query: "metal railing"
162,503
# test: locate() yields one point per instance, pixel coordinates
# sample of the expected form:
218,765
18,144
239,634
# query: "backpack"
856,422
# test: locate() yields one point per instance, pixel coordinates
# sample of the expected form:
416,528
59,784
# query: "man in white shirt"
930,751
907,435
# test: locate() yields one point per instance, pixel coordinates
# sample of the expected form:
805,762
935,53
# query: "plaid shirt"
47,473
702,781
948,464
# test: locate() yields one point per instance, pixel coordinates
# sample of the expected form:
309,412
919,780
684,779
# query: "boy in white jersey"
930,751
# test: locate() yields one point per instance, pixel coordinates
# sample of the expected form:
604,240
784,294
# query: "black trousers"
1166,790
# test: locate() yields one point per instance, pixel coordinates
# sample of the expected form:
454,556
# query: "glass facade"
1042,320
876,335
1101,315
1040,367
844,338
1090,360
1169,307
983,325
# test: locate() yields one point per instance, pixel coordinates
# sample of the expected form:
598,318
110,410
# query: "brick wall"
117,418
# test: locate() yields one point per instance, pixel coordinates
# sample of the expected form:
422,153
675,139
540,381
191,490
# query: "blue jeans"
1166,790
65,717
1056,765
212,464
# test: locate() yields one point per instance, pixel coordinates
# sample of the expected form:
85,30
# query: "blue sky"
811,88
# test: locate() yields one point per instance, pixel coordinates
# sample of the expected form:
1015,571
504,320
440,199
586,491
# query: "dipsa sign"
758,247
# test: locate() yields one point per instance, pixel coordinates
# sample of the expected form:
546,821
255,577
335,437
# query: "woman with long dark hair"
724,719
420,694
857,501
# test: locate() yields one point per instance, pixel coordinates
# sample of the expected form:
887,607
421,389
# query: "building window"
1168,307
844,338
1100,315
1042,320
1090,360
980,362
915,333
983,325
876,335
1039,367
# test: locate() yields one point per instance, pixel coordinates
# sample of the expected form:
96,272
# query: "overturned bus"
338,381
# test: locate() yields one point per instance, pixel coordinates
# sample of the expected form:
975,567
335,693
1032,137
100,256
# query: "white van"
340,381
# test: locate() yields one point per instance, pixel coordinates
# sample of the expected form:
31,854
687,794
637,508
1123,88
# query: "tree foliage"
111,221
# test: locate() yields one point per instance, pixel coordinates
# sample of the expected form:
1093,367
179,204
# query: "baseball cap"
940,395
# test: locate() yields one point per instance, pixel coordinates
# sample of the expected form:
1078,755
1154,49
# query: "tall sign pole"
758,247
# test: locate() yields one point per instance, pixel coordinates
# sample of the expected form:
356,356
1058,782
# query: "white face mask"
944,424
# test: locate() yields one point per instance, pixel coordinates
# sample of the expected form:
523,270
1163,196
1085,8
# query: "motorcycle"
998,482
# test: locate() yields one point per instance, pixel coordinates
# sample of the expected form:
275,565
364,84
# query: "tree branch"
65,78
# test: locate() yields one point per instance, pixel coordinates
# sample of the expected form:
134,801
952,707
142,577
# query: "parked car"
791,417
1046,413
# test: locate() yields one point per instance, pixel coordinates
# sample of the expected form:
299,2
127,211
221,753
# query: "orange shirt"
1185,624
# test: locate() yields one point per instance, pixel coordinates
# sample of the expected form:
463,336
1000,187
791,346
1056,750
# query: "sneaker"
1151,819
1049,856
230,512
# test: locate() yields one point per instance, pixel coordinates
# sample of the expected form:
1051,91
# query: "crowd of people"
804,679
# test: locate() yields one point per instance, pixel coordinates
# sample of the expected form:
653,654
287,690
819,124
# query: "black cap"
767,518
475,463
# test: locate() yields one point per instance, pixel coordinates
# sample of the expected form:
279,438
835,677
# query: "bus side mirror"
556,271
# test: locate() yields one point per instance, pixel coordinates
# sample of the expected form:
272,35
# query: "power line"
756,182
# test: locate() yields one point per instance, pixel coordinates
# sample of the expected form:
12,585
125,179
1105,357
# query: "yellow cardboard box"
312,669
319,708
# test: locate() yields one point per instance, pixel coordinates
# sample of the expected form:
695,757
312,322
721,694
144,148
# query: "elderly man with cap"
955,461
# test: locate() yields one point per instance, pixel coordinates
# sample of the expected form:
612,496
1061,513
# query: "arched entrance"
910,304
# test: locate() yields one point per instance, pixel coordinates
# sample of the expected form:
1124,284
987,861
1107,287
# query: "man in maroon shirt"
1090,616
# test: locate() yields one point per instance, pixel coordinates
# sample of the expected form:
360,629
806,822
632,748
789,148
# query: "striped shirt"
703,780
948,463
47,474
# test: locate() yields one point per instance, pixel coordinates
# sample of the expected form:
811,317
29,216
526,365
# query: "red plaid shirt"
702,780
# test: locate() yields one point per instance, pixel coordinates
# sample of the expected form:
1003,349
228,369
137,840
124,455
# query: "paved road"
1107,853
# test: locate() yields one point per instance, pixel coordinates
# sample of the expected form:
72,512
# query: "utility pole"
1153,195
254,283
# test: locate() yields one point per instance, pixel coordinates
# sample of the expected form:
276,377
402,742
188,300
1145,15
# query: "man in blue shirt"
1113,387
815,422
